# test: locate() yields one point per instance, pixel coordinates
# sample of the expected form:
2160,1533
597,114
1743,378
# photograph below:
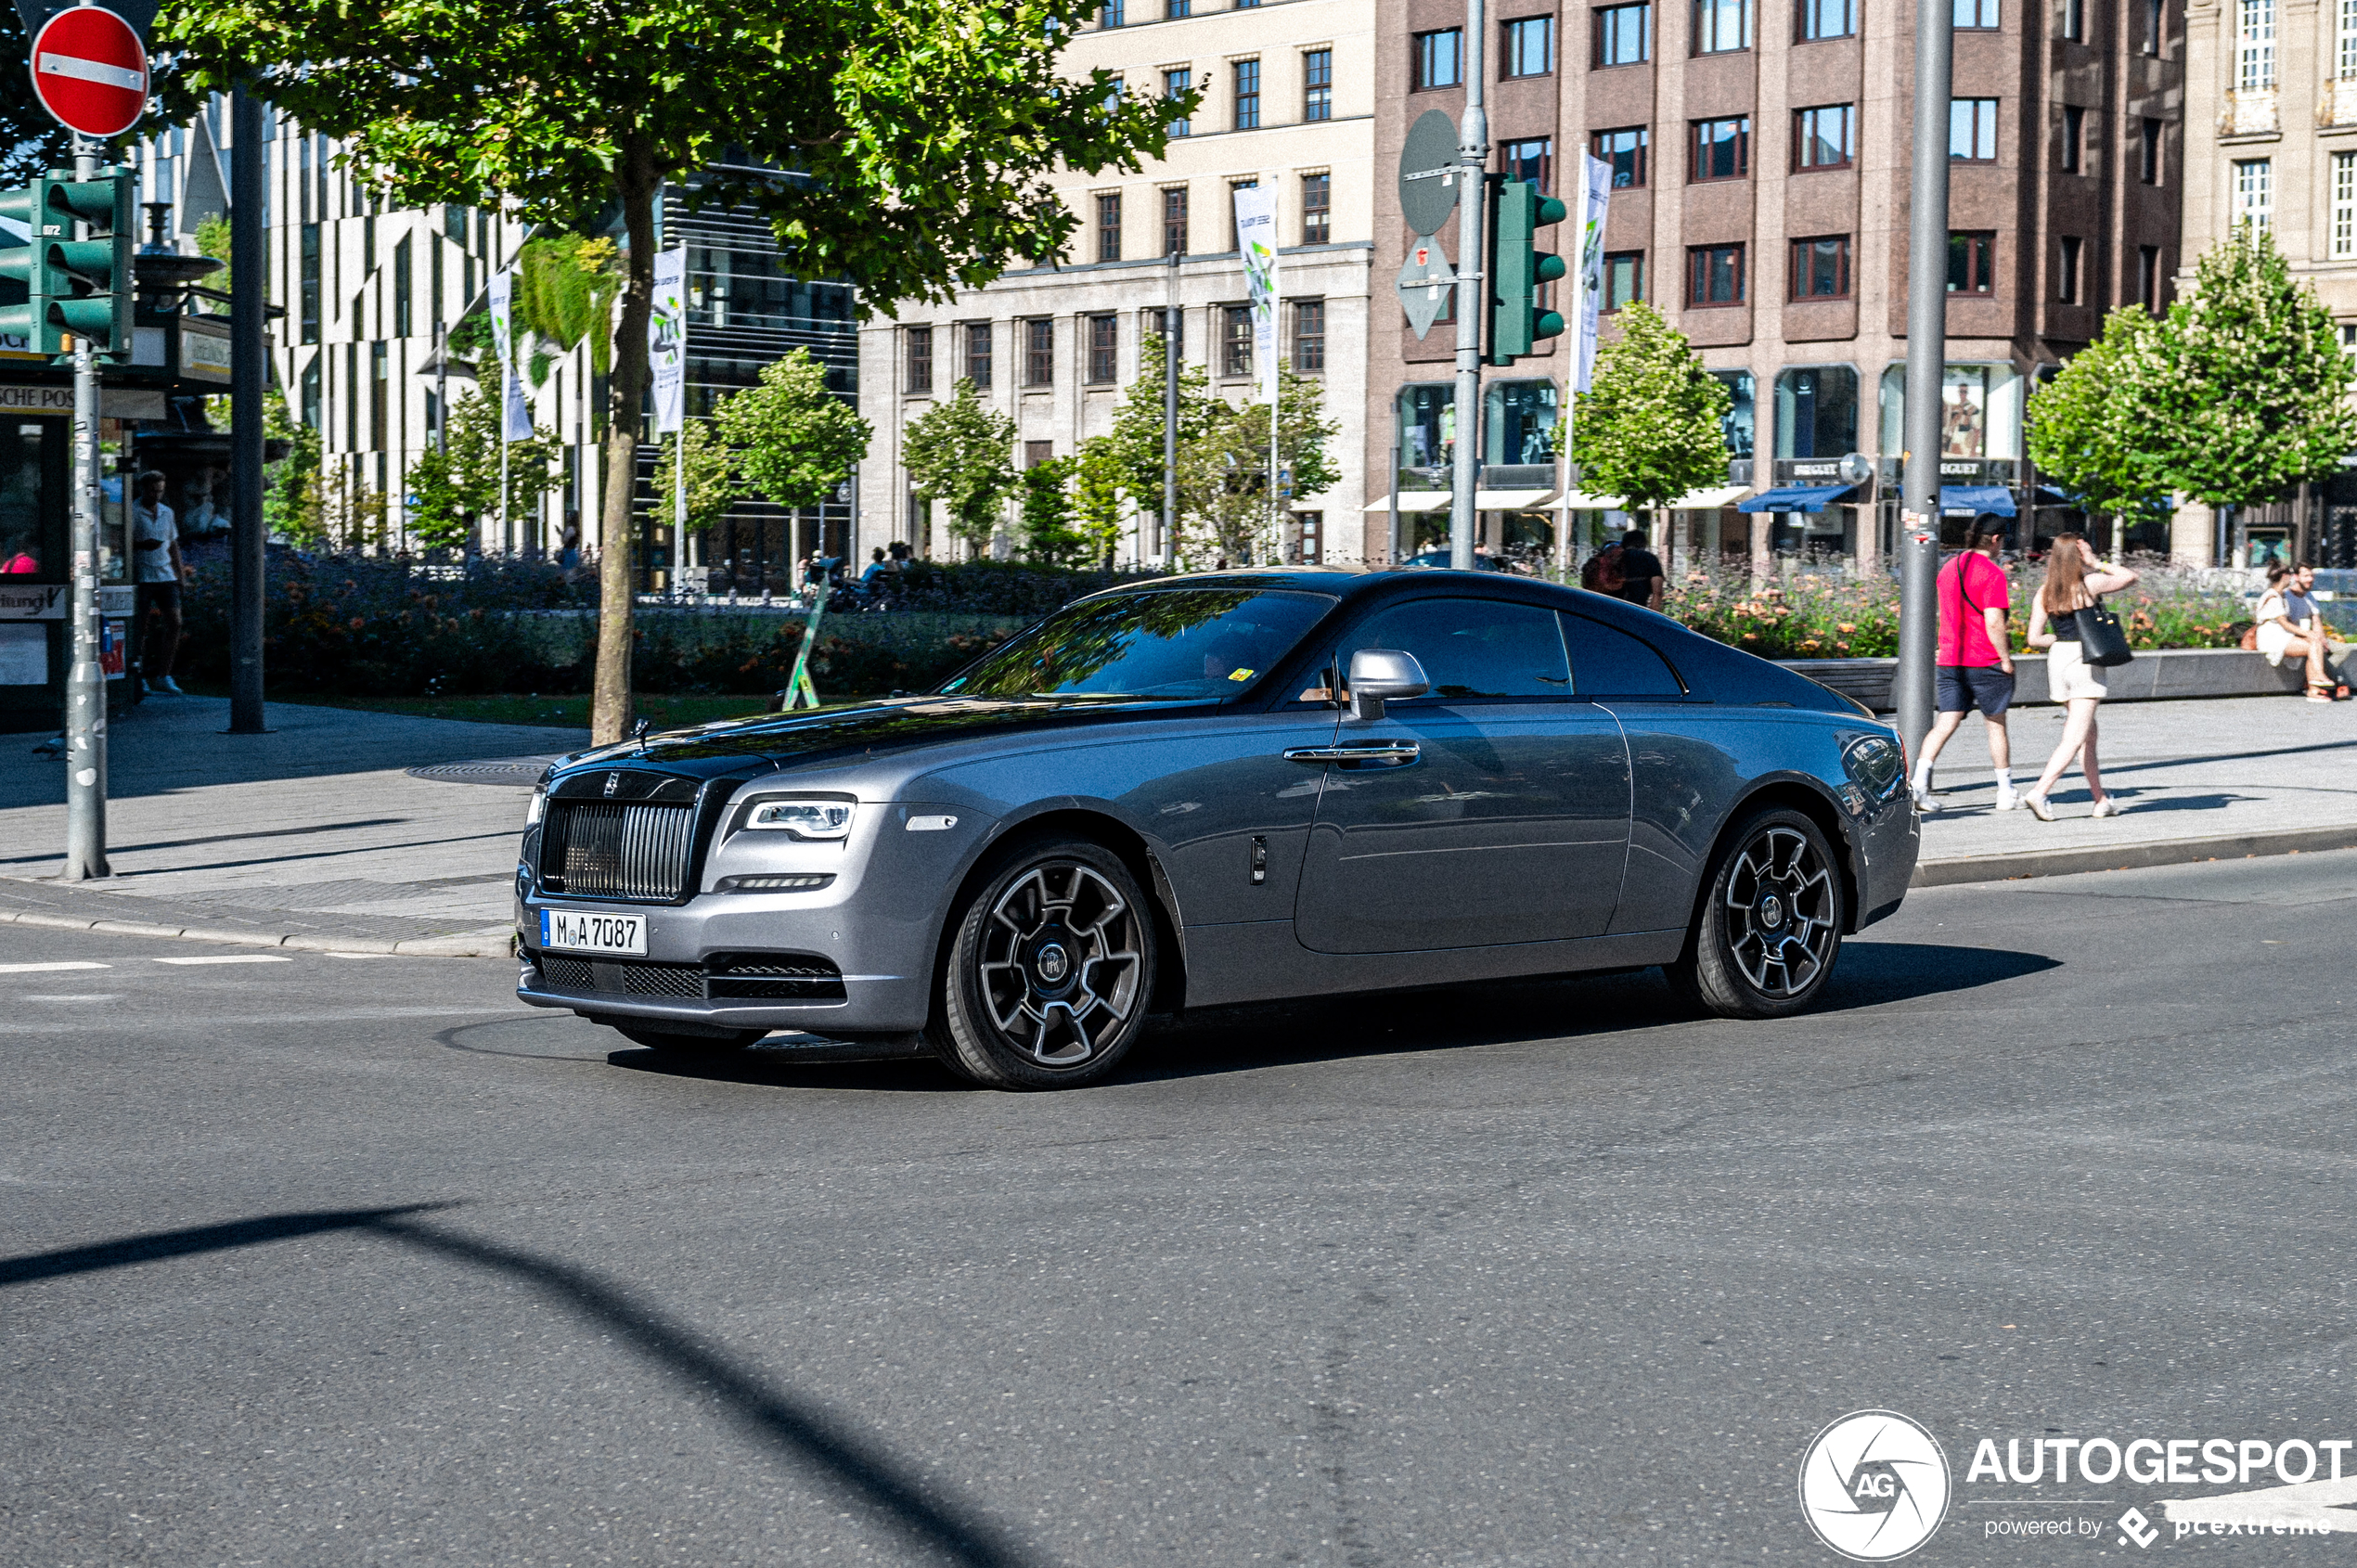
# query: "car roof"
1357,585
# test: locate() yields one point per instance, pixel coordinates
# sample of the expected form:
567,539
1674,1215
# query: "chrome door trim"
1380,752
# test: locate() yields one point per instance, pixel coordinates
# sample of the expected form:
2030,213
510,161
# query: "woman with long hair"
2075,580
2290,628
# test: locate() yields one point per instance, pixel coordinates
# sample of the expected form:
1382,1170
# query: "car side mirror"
1380,675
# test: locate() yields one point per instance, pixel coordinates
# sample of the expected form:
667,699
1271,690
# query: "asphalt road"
326,1260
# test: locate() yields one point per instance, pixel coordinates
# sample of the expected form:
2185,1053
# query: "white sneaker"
1925,801
2107,806
2008,800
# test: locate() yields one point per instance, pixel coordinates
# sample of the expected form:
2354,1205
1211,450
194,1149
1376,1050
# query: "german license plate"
584,931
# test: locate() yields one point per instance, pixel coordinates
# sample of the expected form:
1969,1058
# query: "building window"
2148,278
2150,171
978,337
1110,14
1037,452
311,284
404,287
1817,412
1625,149
1721,149
1316,209
1173,221
1532,160
2344,241
1624,34
1624,279
1109,228
1103,360
2254,46
1176,85
1162,326
1741,422
1972,130
1235,339
1721,26
1440,60
311,391
1313,525
2255,193
920,359
1309,337
1977,13
1825,139
1827,19
1318,84
1972,264
1235,232
2345,53
2074,140
1177,10
380,381
1820,268
2075,21
2066,277
1530,47
1246,74
1715,276
2156,26
1040,351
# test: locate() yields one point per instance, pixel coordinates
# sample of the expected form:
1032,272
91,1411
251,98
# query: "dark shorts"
1961,688
158,596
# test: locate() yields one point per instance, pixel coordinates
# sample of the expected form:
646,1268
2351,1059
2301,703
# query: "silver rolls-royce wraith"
1222,788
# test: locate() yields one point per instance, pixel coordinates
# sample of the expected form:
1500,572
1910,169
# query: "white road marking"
85,996
49,969
230,959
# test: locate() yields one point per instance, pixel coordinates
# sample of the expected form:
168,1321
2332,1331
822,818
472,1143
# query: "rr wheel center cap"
1772,912
1054,963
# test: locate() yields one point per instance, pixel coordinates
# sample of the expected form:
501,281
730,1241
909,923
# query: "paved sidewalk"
318,835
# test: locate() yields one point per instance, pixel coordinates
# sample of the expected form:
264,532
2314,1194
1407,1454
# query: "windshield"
1172,643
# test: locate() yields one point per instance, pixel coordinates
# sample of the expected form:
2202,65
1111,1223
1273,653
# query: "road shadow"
781,1068
941,1527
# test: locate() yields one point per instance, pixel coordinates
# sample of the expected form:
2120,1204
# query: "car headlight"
538,808
803,819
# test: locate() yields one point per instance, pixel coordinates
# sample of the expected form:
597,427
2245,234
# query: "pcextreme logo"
1873,1485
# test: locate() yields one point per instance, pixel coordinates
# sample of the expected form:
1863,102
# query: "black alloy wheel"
1768,931
1048,969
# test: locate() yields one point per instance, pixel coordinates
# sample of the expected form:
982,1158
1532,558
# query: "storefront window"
1427,414
1741,419
1518,422
1979,411
1817,412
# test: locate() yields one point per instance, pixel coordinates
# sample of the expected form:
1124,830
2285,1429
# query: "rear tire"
688,1048
1769,931
1048,968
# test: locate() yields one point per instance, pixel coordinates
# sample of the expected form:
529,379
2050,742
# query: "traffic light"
1517,270
82,286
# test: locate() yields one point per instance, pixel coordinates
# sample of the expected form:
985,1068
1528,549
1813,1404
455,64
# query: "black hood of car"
899,724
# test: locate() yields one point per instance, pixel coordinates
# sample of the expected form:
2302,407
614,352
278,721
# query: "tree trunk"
636,182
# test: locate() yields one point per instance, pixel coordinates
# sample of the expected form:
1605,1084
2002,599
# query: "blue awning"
1795,498
1970,500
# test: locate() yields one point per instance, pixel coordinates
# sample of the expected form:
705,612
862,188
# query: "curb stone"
2128,857
498,943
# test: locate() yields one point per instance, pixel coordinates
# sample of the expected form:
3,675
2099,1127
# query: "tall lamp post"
1927,356
248,278
1472,154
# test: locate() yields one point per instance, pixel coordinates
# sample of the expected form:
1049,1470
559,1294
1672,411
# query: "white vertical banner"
667,340
1257,238
1595,196
516,423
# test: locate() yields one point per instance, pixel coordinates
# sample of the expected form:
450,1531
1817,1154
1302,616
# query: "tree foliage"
2088,429
1096,497
1050,536
35,143
795,440
920,136
455,488
287,508
712,487
963,452
1649,431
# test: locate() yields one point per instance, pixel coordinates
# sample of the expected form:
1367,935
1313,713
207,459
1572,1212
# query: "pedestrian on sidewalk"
157,572
2290,626
1641,576
2075,580
1975,667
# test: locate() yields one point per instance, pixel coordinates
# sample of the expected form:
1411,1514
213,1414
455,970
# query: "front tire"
1048,972
1766,938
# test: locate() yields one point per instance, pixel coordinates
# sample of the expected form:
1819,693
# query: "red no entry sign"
90,70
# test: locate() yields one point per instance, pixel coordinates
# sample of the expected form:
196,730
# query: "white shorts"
2068,675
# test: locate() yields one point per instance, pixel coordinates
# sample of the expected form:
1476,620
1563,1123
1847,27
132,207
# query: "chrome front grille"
600,849
779,977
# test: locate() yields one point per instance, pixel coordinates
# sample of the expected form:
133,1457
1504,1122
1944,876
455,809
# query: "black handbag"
2101,640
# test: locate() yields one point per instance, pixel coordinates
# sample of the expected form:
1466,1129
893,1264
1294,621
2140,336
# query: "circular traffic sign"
90,71
1430,166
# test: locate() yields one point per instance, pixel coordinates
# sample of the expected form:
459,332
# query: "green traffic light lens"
1547,325
1549,267
1552,211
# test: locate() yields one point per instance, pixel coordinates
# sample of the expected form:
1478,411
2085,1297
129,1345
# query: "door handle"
1381,751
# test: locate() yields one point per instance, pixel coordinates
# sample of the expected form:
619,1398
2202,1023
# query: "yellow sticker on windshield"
1240,675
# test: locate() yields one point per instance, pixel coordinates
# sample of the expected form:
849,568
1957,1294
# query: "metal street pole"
85,682
1170,529
1472,154
248,283
1926,355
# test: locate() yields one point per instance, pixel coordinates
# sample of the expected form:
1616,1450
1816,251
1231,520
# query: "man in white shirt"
157,569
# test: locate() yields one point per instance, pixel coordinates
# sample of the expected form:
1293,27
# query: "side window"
1471,646
1607,662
